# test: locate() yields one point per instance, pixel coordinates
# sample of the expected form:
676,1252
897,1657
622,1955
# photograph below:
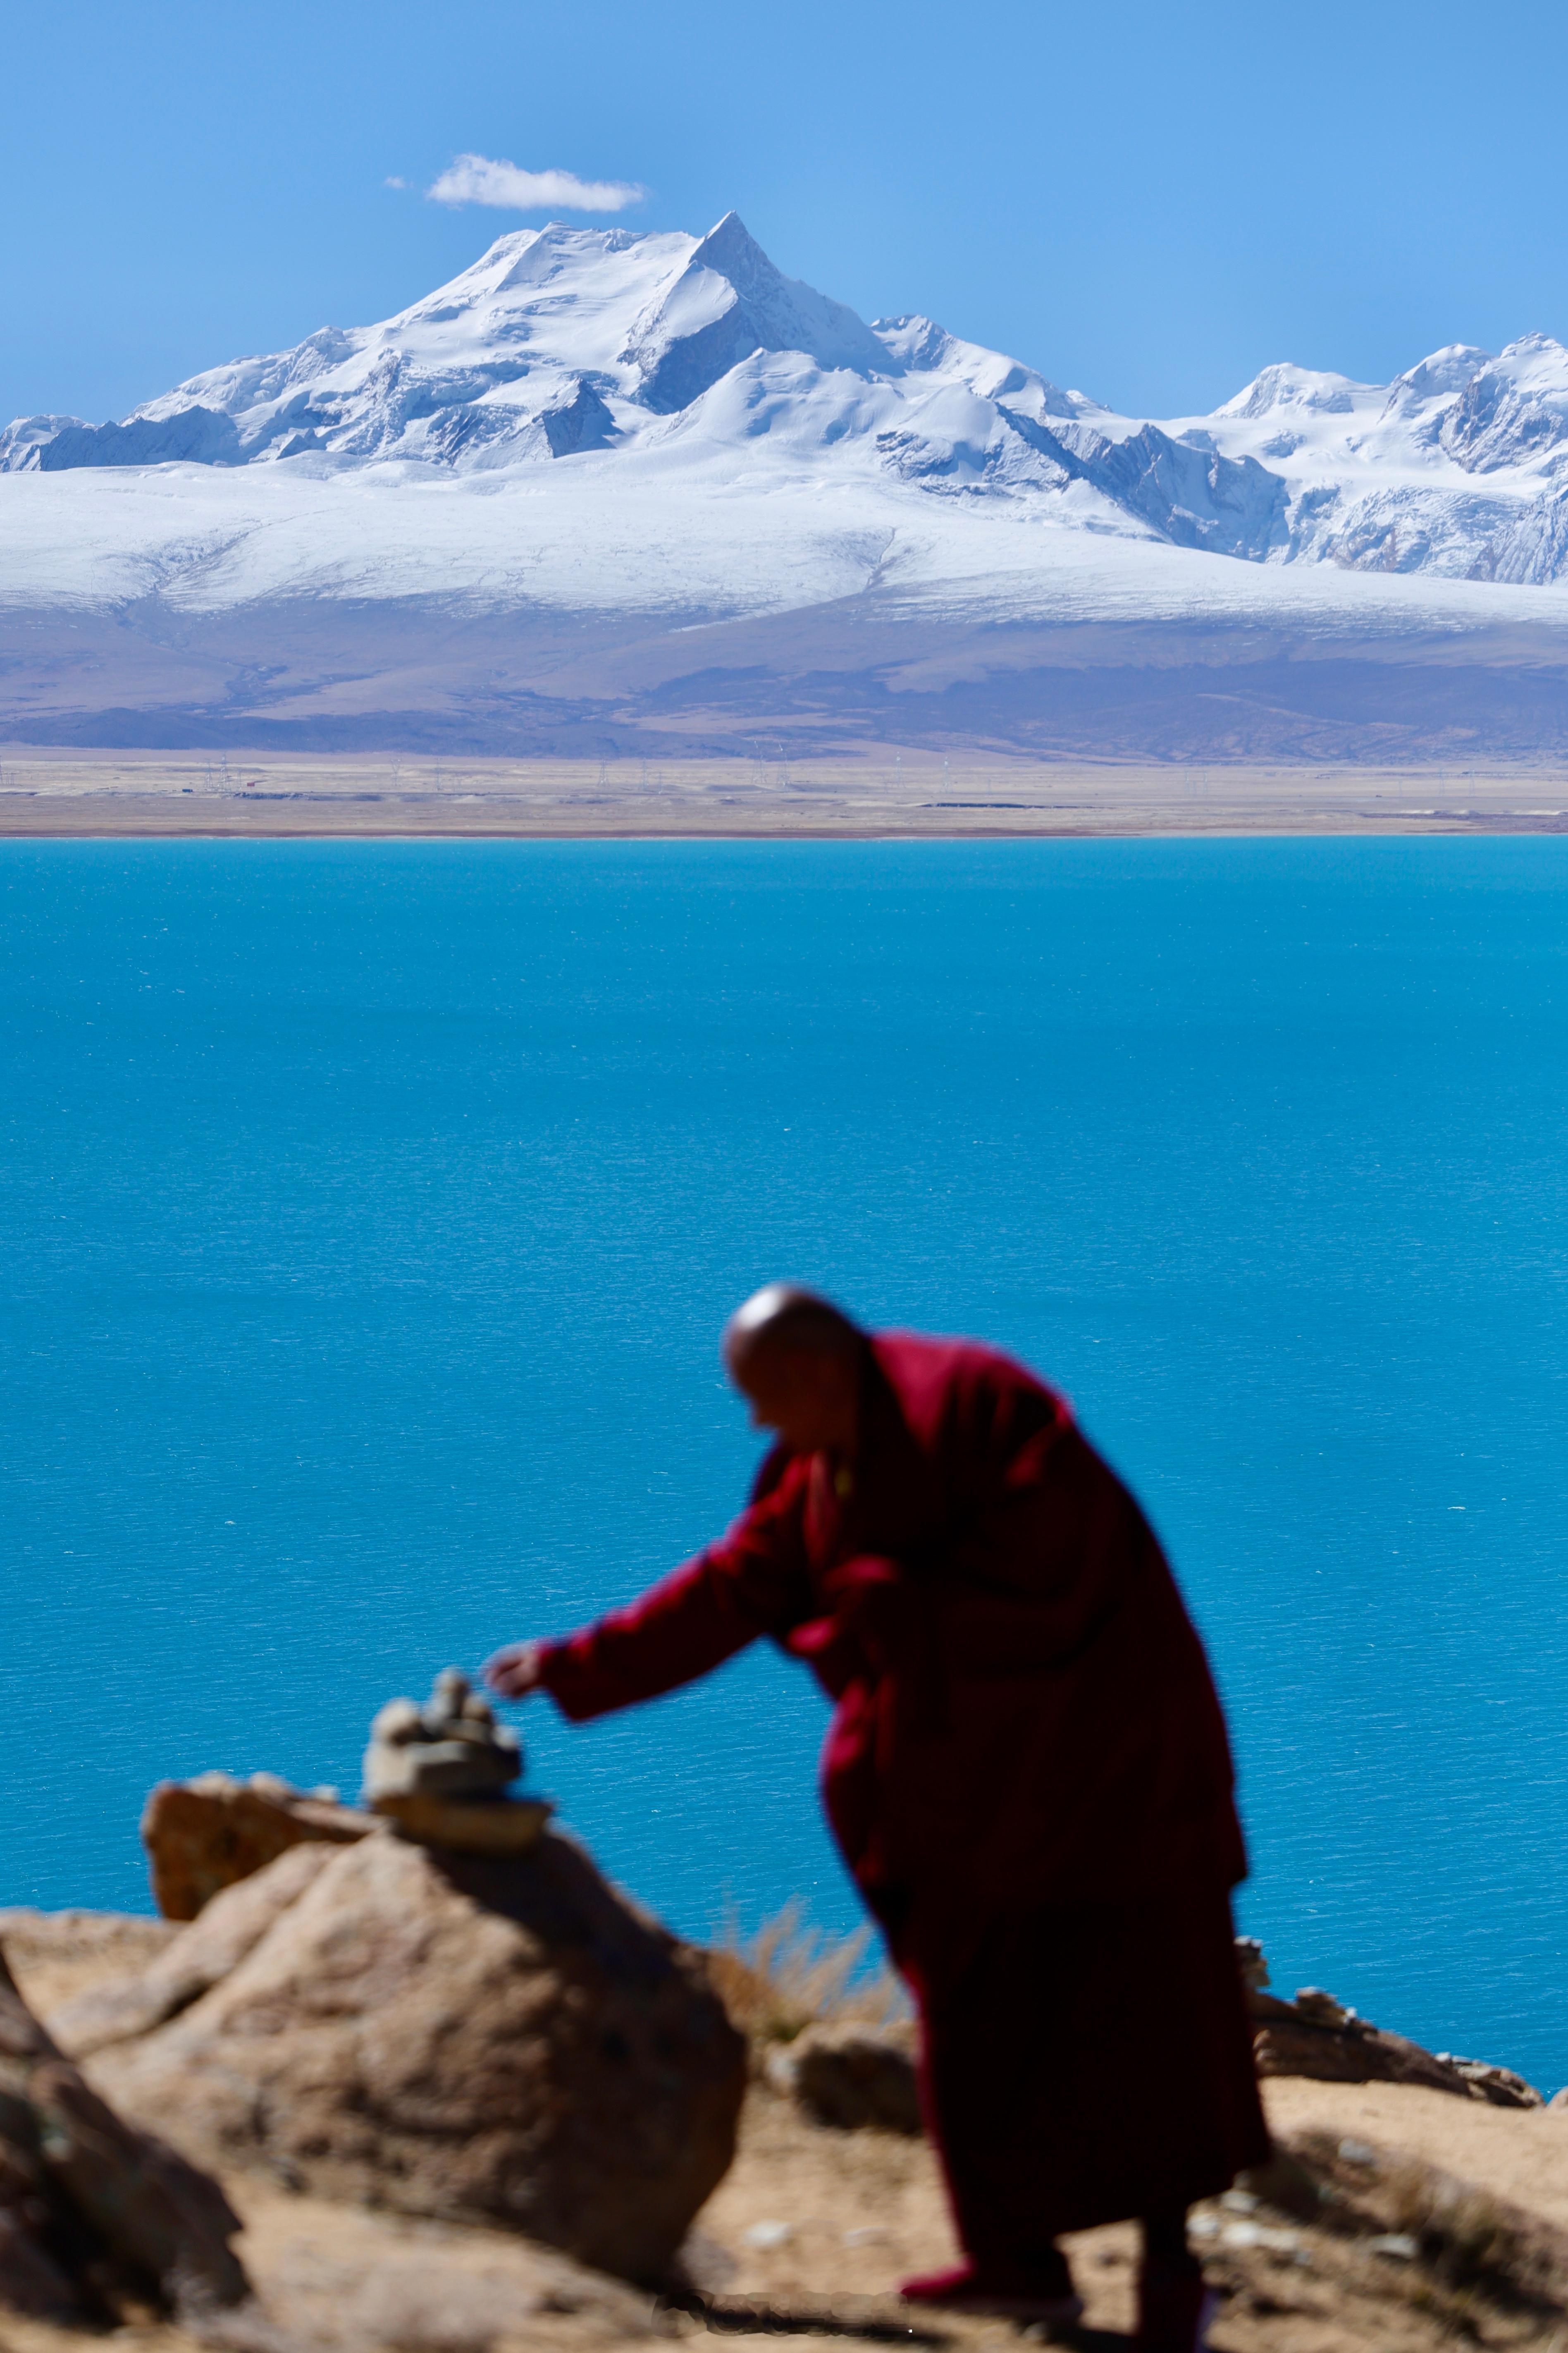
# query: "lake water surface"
371,1210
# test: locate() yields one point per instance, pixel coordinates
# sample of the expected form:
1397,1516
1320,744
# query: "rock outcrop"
1318,2037
851,2076
94,2215
203,1835
500,2039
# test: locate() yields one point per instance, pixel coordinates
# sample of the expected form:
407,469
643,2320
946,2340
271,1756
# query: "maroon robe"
1026,1771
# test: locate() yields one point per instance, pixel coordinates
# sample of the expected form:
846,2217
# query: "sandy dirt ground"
811,2221
806,2241
809,2233
1520,2155
884,794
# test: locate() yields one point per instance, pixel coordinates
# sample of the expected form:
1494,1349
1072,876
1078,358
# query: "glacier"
607,487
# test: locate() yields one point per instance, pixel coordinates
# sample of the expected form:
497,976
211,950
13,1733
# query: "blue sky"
1149,202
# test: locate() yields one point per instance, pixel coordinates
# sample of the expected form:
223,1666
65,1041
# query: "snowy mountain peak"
728,301
1316,390
621,356
1446,371
1513,410
729,249
915,341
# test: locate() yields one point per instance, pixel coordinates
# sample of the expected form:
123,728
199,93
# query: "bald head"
787,1315
798,1360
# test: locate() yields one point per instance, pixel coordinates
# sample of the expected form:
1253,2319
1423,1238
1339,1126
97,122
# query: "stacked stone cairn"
441,1772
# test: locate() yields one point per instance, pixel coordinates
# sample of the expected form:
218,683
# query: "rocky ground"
1401,2218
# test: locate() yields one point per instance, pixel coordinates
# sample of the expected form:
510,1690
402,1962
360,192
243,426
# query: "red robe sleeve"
753,1581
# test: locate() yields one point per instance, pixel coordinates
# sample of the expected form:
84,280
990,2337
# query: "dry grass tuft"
1474,2263
790,1976
1466,2238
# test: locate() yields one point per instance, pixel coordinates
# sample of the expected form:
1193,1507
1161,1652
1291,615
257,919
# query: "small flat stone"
450,1768
493,1826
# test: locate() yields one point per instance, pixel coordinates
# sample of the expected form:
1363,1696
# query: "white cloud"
477,180
394,183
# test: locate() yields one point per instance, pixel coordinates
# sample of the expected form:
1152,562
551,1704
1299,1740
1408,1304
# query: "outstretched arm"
753,1581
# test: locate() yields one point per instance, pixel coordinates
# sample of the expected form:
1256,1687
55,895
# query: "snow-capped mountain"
1459,467
604,345
603,481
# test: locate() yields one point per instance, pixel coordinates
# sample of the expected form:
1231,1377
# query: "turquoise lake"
371,1211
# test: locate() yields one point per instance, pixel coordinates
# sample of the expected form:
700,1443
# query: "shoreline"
880,795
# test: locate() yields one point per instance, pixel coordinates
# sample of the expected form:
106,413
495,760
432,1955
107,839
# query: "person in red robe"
1026,1771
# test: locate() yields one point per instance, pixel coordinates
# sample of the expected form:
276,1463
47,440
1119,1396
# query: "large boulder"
93,2213
500,2039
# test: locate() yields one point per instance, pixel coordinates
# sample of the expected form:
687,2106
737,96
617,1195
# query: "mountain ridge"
613,344
609,490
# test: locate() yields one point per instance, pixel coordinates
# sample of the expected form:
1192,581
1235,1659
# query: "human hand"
514,1670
